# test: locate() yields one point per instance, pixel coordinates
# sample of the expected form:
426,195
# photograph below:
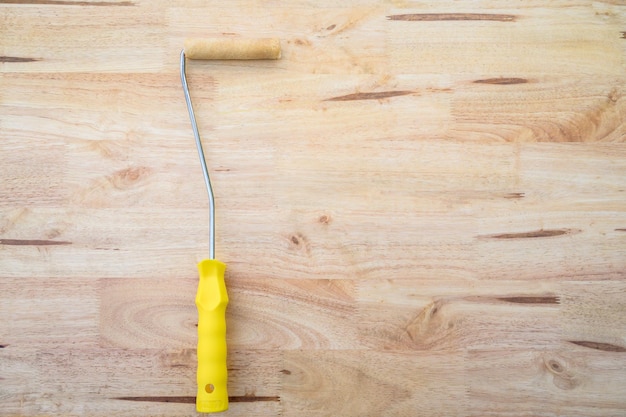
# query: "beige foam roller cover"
266,48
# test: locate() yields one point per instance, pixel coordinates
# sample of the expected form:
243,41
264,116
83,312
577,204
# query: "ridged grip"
211,301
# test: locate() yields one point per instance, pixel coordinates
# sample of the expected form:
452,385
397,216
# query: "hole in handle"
209,388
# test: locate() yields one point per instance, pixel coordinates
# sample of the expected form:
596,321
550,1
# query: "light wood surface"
422,207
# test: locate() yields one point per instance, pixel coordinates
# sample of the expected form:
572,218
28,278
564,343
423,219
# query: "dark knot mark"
3,346
17,58
433,17
621,230
514,195
502,81
300,242
253,398
531,299
555,366
285,372
623,35
371,96
160,399
533,234
69,2
606,347
192,400
33,242
324,219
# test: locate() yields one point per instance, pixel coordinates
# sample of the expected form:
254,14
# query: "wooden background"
422,207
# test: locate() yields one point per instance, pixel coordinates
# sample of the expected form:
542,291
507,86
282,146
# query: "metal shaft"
205,171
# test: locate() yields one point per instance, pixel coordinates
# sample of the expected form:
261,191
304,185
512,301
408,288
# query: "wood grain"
422,207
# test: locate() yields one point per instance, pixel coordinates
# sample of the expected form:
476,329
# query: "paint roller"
211,297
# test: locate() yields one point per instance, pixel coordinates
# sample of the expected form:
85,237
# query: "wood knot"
562,377
554,366
300,242
128,177
427,321
614,95
324,219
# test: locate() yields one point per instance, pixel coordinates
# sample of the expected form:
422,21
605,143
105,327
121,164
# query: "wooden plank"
263,314
507,41
571,380
94,381
593,315
69,36
436,315
48,312
356,383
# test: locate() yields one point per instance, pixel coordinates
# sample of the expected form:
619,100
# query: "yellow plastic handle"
211,301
